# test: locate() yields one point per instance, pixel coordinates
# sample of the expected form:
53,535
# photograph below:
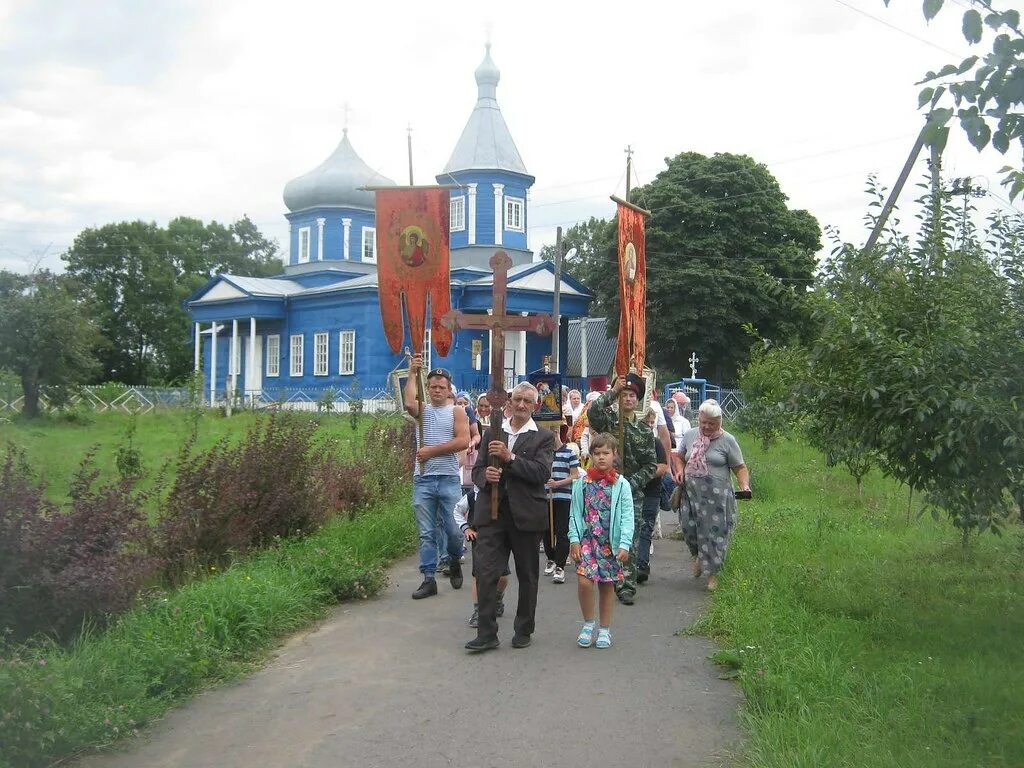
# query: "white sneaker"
549,568
558,577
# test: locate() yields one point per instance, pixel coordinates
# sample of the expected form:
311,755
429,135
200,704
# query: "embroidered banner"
413,264
631,348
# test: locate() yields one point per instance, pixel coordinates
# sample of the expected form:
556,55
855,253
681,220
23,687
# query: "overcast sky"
120,110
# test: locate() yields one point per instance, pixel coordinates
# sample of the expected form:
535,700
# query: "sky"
114,110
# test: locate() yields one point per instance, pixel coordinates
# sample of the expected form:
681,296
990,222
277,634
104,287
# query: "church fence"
118,398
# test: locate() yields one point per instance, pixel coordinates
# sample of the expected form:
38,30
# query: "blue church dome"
335,182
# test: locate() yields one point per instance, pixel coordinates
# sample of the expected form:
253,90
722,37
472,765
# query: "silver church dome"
335,182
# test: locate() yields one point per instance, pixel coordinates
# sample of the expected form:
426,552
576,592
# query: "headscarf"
696,462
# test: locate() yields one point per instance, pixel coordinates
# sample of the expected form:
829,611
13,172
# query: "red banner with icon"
631,348
413,264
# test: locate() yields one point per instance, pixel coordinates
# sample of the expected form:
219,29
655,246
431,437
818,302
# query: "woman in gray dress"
701,465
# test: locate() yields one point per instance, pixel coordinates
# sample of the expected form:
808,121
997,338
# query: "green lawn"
56,446
863,639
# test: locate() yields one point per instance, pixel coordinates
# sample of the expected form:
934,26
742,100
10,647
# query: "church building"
318,327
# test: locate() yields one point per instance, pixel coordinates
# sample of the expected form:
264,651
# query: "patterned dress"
597,559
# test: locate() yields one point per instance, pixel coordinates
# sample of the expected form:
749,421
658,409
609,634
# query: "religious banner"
631,348
412,264
549,398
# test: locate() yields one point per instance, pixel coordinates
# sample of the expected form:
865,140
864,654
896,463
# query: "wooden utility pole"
629,169
408,131
555,307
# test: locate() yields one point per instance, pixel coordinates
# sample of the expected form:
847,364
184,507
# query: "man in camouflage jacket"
638,459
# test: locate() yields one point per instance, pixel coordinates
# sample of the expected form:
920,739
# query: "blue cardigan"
621,529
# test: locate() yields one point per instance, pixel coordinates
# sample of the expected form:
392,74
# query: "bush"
61,566
238,497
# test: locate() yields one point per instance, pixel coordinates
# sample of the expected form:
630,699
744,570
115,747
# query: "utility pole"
409,142
890,202
629,169
554,310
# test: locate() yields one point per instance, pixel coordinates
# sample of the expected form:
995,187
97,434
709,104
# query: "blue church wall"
526,301
515,185
334,233
260,308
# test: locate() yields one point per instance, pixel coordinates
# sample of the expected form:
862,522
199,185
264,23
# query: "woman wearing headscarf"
678,424
573,407
701,465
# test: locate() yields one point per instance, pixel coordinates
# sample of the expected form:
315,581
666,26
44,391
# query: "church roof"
486,143
600,348
336,182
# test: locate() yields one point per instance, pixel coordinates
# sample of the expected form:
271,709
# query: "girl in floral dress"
600,533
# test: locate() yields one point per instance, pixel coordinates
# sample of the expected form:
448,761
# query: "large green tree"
723,251
135,276
46,337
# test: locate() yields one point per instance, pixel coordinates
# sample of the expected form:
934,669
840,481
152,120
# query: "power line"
897,29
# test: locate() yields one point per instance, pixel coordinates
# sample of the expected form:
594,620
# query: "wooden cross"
693,365
498,323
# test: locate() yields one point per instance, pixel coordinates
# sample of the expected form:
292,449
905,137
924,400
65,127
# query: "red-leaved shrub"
234,498
60,565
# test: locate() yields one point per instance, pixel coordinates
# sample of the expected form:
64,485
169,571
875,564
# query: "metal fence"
128,399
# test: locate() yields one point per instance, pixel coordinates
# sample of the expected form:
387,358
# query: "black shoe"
427,589
521,641
642,575
455,575
627,598
499,609
478,644
474,620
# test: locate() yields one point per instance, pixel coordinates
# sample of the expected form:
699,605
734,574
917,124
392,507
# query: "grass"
56,702
862,638
57,446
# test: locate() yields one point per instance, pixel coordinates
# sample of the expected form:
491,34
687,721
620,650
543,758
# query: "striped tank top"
438,427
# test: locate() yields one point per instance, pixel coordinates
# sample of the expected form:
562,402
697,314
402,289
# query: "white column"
499,190
583,346
347,224
234,356
198,346
213,364
292,256
250,371
472,213
521,357
320,239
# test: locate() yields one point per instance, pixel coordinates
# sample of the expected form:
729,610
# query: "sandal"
586,636
604,638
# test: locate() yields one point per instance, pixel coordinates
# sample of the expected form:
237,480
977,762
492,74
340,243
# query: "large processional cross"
499,322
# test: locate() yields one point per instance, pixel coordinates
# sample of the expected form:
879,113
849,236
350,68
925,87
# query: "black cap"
440,372
636,384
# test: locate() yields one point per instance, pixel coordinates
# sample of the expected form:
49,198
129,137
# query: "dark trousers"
560,552
649,518
494,542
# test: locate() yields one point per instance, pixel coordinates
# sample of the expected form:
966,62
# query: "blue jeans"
650,516
434,498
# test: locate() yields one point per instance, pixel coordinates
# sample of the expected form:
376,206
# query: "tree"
986,93
723,250
46,337
595,261
135,276
918,362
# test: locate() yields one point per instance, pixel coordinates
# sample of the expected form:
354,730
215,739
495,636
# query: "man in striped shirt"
437,485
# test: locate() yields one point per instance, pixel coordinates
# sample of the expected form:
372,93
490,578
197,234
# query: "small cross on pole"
693,365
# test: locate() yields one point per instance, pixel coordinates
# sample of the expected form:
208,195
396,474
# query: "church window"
321,344
296,356
303,245
369,244
457,219
514,213
274,355
347,353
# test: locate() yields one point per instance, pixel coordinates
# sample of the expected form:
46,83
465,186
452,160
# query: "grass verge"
862,637
55,702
